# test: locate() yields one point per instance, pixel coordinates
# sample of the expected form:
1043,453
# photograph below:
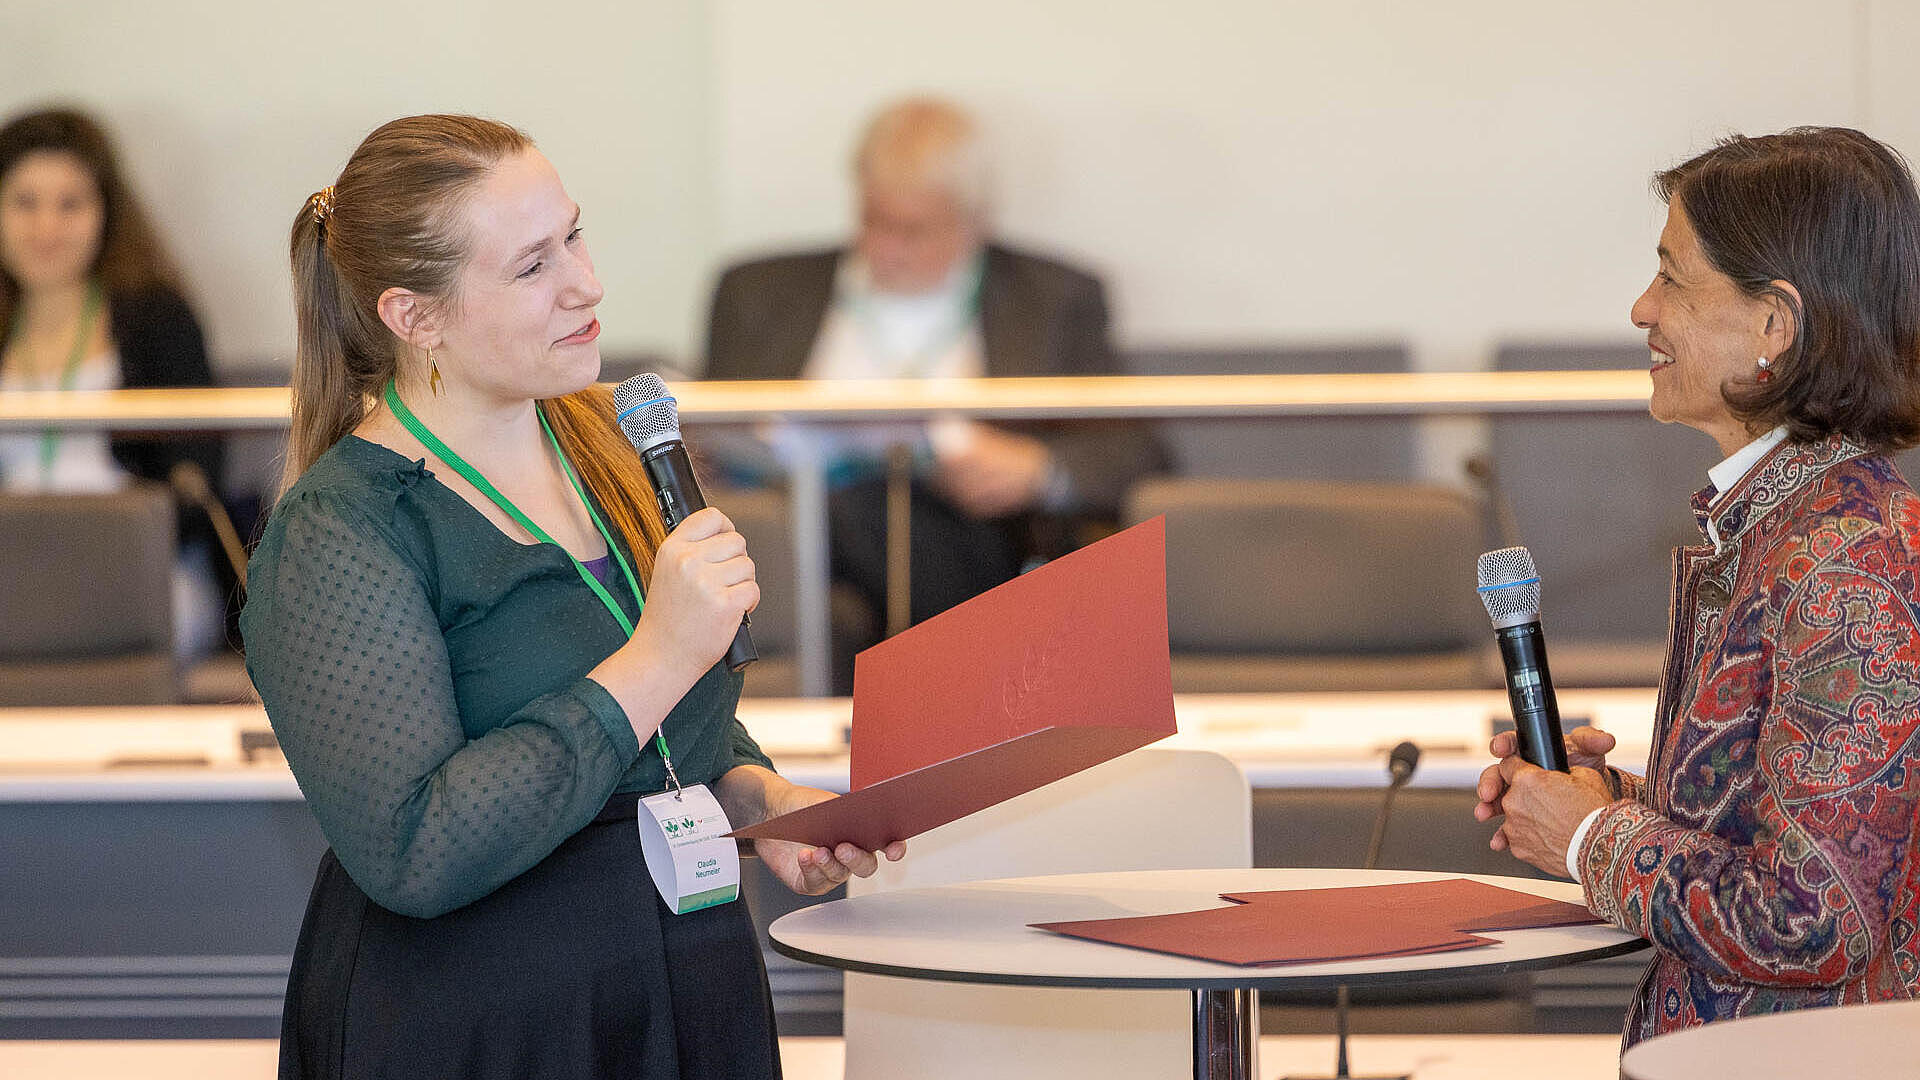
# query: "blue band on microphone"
1508,585
631,409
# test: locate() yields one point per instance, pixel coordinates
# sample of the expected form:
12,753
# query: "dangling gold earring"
433,372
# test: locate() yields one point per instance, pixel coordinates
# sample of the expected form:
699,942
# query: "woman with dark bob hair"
1769,853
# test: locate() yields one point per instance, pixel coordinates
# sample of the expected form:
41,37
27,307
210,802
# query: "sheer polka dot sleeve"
348,655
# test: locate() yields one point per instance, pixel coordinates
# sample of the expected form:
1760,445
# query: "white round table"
978,932
1852,1042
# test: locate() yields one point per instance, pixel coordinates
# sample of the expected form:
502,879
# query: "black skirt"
573,970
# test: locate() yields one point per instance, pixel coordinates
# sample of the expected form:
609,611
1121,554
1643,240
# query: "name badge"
694,863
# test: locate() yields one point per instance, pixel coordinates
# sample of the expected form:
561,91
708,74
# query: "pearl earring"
1765,375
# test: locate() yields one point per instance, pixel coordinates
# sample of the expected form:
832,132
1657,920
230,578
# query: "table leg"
1226,1034
807,502
899,538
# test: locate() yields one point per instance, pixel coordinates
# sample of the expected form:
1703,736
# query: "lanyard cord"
70,373
472,476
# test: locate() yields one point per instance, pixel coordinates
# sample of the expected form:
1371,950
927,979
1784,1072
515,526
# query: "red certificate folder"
1303,926
1268,934
1054,672
1457,903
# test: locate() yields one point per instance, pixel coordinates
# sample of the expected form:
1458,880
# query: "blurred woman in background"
90,301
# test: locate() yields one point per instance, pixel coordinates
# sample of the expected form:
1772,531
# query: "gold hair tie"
322,201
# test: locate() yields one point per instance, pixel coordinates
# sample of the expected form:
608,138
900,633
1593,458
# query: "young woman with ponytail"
438,626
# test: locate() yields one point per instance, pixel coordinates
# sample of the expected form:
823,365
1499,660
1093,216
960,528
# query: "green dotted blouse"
426,675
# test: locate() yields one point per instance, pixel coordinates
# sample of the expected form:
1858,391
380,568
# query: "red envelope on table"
1269,934
1457,903
1058,670
1299,926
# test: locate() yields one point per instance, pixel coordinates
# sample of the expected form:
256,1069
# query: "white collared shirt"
83,461
869,334
1730,472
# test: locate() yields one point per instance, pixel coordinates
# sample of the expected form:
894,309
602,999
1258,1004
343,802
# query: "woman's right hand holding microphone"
702,585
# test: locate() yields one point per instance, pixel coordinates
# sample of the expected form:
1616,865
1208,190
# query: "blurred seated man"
923,292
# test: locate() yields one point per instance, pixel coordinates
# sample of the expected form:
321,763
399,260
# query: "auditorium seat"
1281,585
761,515
85,596
1601,501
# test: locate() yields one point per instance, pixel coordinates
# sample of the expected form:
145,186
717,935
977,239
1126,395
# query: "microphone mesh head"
648,414
1510,586
1406,755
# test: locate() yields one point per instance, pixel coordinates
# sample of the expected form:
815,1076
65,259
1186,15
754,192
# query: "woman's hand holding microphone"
1543,808
702,585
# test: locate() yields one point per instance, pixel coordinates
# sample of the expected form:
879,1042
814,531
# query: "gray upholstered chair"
1276,585
86,599
761,515
1315,448
1601,501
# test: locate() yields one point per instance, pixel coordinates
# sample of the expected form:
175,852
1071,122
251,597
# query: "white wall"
1448,173
233,111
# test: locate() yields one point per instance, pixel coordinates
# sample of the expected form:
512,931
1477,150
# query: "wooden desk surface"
1372,394
185,753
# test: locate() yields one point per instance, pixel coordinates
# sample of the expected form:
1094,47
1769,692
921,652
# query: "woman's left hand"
758,794
1544,808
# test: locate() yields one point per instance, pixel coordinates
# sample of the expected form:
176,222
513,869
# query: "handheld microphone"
1510,589
650,417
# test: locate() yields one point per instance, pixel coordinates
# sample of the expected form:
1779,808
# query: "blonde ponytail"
389,220
328,401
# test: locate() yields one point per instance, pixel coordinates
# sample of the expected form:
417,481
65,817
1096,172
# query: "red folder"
1271,934
1301,926
1054,672
1457,903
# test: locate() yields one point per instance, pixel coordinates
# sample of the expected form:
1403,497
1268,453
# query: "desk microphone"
1510,589
650,417
190,483
1400,765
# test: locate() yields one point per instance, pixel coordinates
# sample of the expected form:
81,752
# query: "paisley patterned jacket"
1769,856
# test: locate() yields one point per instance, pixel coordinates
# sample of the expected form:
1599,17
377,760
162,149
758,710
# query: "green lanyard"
472,476
69,375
